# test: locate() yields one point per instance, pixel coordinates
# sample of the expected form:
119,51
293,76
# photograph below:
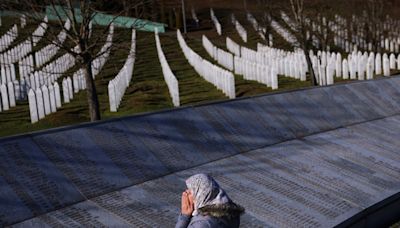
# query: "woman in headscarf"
205,204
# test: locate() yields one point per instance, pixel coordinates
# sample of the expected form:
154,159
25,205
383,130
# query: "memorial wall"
313,157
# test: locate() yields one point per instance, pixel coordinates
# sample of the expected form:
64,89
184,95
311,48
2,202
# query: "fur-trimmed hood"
229,210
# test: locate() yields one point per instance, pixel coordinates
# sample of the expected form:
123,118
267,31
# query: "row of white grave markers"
356,66
37,35
259,29
39,80
342,38
26,66
239,28
340,31
44,101
7,73
8,38
11,90
8,96
254,71
288,21
326,66
99,62
51,72
16,53
260,60
224,58
251,65
47,75
289,64
47,99
311,35
387,42
254,23
222,79
232,46
19,90
79,81
250,69
313,27
21,50
118,85
67,89
45,54
217,25
288,36
48,52
294,65
169,77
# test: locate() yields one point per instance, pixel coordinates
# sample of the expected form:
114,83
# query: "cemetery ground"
148,91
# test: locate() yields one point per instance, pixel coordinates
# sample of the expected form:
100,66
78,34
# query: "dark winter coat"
213,216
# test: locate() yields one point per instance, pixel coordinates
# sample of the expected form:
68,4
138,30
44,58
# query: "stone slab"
85,214
244,135
143,204
83,161
36,182
180,139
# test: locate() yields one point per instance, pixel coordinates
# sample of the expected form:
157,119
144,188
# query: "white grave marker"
386,67
11,94
398,62
52,99
70,89
392,61
370,70
65,91
4,97
40,103
46,100
32,106
378,64
57,94
345,73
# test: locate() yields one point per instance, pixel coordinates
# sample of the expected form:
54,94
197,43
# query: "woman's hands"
187,203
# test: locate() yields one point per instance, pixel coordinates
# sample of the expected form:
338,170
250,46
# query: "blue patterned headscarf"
206,191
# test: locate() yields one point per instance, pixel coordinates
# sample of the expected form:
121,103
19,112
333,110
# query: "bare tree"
78,43
305,40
